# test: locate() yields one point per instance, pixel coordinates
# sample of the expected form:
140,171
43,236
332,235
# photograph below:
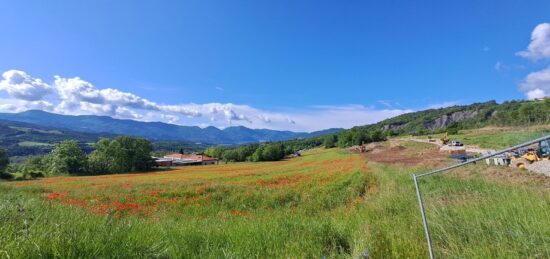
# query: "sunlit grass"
326,203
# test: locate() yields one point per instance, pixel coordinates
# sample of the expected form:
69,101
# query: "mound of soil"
400,155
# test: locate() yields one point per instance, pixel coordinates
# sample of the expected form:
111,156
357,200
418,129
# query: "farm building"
183,159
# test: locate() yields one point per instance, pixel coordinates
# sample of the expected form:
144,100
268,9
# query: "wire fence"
475,210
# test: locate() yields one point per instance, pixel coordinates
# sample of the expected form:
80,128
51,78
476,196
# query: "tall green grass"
475,217
499,140
471,215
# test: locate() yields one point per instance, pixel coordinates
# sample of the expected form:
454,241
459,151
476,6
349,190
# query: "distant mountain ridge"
156,130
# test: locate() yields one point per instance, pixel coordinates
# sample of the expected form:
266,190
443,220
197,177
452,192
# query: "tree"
257,155
527,111
345,138
359,137
100,160
67,158
216,152
4,160
123,154
377,135
181,151
273,152
330,141
244,152
230,155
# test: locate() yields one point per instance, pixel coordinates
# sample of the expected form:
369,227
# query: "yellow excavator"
445,139
541,152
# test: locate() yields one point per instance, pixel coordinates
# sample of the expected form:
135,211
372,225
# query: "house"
192,159
162,161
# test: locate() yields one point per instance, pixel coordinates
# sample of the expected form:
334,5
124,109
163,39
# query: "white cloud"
76,96
344,116
536,93
536,84
21,86
122,112
264,118
188,110
75,92
16,105
539,48
8,107
170,118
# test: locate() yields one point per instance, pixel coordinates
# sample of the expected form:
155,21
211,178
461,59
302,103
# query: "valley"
325,203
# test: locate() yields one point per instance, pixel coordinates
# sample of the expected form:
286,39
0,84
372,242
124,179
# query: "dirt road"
469,149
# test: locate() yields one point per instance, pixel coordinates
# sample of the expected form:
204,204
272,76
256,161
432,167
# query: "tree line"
279,150
272,151
122,154
522,113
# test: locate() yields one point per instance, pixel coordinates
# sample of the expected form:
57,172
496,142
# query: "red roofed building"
192,159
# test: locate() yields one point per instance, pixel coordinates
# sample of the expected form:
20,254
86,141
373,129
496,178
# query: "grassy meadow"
498,137
328,203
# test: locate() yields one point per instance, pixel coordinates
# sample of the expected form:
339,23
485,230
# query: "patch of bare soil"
400,155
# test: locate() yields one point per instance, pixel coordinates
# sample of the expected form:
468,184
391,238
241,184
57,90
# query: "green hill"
25,139
510,113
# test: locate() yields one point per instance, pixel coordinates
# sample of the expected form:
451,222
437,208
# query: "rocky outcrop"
445,120
394,127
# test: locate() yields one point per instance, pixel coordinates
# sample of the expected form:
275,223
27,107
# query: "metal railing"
441,170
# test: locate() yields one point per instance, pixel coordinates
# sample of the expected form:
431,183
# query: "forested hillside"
25,139
450,119
511,113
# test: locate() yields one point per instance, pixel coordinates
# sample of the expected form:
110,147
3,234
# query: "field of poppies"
296,207
328,203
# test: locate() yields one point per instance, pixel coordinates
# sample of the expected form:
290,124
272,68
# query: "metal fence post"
424,219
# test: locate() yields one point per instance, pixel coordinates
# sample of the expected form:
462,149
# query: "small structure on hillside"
177,159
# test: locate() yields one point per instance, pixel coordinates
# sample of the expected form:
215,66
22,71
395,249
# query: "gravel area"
541,167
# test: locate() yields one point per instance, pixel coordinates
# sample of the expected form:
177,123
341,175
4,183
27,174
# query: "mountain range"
156,130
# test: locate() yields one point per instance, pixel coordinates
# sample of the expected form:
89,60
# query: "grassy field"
498,138
297,208
326,203
33,144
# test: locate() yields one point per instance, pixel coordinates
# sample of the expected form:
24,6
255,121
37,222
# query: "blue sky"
297,65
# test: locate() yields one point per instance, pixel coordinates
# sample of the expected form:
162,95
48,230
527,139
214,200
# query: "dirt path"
468,148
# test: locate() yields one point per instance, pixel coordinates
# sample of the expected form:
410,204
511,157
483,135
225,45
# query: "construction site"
534,158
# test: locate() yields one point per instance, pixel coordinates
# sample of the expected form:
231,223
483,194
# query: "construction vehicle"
457,144
541,152
363,148
445,139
